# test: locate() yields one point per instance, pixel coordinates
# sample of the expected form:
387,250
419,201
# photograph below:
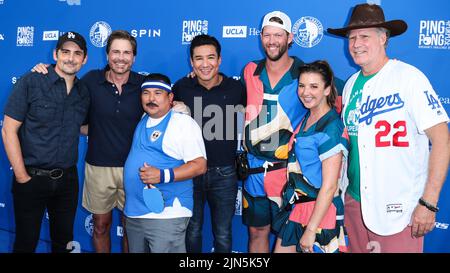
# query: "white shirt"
398,104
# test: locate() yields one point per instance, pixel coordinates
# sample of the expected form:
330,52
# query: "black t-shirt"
215,110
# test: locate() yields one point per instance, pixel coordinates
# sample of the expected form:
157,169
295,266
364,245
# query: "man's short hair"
124,35
387,32
204,39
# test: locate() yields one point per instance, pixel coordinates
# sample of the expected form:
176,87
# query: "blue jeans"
218,186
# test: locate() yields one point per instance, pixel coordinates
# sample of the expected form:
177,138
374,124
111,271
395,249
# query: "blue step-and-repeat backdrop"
163,29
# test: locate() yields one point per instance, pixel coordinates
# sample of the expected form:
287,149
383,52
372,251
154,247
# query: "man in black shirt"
214,100
40,133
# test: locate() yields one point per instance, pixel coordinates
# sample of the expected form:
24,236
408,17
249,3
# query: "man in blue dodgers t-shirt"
167,152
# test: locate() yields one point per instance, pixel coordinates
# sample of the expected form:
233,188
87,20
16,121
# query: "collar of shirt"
195,83
293,70
133,78
152,122
54,78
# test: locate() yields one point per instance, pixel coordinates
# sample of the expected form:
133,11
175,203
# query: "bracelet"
428,205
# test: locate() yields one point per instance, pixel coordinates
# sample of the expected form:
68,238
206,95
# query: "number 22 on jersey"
384,139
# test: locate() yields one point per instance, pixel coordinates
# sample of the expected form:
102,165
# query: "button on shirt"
50,117
112,118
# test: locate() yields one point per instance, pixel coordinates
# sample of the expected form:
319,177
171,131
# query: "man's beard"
283,49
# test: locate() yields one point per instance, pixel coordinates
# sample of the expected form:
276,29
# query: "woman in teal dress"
312,213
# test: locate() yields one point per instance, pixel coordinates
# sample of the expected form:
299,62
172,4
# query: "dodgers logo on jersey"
155,135
377,106
433,102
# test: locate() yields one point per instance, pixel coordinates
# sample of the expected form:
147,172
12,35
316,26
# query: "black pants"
59,197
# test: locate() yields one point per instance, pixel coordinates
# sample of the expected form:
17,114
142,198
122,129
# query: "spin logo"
434,34
192,28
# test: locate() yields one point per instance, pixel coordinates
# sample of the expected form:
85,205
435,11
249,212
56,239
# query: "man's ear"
290,38
85,59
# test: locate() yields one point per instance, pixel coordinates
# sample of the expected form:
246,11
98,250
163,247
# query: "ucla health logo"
99,33
234,32
434,34
50,35
25,36
192,28
307,31
89,224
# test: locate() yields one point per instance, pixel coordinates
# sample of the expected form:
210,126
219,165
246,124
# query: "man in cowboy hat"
390,111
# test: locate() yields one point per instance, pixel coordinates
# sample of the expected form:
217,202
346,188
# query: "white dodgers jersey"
397,105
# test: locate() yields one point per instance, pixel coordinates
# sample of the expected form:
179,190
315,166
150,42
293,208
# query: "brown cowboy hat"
368,16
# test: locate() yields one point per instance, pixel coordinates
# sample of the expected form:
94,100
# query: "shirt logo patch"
155,135
394,208
433,103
